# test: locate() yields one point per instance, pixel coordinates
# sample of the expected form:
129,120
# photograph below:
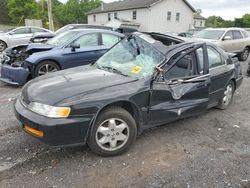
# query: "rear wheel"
46,67
244,55
114,131
226,100
3,45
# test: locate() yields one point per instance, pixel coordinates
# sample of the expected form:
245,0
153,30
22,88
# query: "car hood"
37,47
56,87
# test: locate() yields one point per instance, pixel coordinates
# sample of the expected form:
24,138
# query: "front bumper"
13,75
57,132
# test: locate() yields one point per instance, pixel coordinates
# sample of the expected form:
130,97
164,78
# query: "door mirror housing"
11,33
74,46
227,38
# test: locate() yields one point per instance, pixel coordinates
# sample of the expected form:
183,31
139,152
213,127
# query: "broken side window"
200,59
183,68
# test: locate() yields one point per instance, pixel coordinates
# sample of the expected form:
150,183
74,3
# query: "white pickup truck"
234,40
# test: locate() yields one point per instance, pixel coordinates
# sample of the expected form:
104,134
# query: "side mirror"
227,38
11,33
74,46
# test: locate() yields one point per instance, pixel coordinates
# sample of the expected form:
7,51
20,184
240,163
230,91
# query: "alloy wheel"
245,54
228,94
47,68
112,134
2,46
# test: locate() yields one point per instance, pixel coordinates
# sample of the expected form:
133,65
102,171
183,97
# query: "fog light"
33,131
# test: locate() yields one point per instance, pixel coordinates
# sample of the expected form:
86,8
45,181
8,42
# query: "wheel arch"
52,60
129,106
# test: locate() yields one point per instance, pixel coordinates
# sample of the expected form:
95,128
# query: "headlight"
49,111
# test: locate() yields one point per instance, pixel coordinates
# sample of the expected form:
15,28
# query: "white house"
199,22
149,15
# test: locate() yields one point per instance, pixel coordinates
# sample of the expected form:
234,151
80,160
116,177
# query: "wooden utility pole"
51,24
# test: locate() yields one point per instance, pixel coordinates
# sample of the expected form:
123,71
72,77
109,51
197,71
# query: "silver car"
20,35
234,40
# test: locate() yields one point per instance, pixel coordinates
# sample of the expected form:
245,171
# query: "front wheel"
3,45
244,55
46,67
114,131
226,100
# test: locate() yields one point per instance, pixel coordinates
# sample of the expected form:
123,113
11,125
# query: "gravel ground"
210,150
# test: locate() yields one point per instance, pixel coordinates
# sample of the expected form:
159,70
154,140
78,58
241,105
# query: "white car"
234,40
20,35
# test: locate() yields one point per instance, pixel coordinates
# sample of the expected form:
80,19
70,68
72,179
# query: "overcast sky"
228,9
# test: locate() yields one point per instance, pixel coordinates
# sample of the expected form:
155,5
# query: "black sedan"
140,83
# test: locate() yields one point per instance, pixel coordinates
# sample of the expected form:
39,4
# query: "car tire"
113,132
227,98
3,45
46,67
244,55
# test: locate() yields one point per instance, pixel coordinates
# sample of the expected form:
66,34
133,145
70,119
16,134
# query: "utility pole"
51,24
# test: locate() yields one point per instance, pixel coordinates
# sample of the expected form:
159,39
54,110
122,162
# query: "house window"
195,23
109,17
169,16
177,16
94,18
115,15
201,23
134,15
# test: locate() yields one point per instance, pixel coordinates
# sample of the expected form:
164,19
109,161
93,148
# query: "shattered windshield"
61,38
132,57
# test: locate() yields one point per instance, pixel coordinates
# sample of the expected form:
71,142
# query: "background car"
185,34
66,50
234,40
18,36
40,37
138,84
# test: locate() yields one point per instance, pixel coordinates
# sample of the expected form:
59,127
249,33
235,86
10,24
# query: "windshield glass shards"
133,57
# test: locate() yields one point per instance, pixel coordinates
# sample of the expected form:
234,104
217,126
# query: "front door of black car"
181,92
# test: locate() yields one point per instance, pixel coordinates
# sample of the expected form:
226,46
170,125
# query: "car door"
219,72
20,36
237,42
227,42
180,92
90,50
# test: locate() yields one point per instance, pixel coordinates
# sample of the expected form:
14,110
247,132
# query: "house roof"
130,4
199,17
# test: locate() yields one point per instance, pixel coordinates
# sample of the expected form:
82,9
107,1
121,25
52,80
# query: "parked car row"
116,86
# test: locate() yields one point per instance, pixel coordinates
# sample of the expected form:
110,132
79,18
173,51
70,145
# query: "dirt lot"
211,150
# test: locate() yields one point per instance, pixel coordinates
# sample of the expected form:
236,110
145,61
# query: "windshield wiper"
114,70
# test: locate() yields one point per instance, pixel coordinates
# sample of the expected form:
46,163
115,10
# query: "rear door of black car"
220,74
182,91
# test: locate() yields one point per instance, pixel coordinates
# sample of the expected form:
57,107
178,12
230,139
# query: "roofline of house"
105,11
139,7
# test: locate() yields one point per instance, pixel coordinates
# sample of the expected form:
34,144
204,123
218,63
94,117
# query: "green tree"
246,20
4,18
217,21
75,11
22,9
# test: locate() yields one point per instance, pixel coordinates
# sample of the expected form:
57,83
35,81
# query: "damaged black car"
138,84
